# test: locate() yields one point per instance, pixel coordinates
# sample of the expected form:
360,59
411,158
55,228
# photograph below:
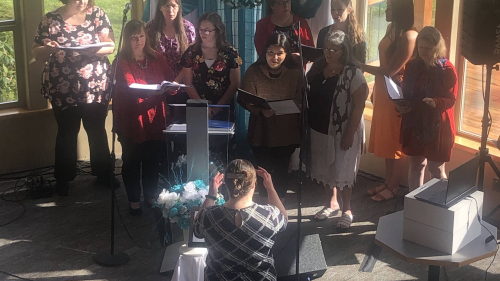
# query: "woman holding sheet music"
430,87
140,116
337,96
75,83
395,49
212,66
275,76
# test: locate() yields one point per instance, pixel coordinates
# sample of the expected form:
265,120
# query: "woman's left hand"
430,102
215,183
346,142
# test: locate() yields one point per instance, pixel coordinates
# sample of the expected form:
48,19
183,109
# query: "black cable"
15,276
128,233
487,239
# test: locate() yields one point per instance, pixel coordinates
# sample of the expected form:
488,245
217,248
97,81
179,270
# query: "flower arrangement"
178,201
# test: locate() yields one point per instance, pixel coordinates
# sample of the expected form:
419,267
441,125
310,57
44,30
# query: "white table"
390,237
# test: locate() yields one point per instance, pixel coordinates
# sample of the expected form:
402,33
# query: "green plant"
8,81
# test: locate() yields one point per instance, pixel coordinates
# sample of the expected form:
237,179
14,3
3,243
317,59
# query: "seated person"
240,234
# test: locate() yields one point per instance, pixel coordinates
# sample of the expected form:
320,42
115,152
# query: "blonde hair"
434,37
240,177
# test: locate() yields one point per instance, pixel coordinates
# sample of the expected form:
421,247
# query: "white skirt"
344,168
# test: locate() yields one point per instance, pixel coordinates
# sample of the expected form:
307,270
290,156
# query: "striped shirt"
240,253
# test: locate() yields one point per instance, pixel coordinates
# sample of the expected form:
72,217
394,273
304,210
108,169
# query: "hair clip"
235,176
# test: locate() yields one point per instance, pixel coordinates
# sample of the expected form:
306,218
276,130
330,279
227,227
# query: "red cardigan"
265,28
137,115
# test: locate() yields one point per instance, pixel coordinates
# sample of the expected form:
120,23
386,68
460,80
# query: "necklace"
142,66
282,21
333,72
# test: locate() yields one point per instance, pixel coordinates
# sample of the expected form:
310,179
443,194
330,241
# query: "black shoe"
135,212
62,188
108,181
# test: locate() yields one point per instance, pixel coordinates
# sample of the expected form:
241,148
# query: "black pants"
275,160
68,125
141,159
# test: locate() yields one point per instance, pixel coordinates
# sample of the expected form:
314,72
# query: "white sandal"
326,213
344,222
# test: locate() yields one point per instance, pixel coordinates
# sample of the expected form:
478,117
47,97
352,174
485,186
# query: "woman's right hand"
53,45
268,181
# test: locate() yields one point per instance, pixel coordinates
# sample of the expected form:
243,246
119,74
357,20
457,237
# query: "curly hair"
240,177
354,30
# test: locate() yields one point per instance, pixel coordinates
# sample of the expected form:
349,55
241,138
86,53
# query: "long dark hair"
282,41
135,27
402,20
220,30
159,22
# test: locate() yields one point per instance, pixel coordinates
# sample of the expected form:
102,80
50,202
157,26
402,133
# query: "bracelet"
208,196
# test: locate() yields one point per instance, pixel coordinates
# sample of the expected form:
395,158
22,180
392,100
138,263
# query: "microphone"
128,6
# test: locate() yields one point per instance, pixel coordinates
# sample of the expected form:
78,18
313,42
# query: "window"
11,62
472,103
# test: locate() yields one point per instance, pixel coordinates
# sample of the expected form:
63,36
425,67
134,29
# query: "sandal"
344,222
385,195
374,191
326,213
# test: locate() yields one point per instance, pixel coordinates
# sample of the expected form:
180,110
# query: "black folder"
311,53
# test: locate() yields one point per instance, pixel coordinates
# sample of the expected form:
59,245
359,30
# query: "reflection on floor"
56,238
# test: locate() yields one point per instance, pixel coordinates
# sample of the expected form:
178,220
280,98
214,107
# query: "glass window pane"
8,78
6,10
473,103
51,5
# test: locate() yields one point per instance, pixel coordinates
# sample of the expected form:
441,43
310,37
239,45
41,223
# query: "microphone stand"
114,258
304,137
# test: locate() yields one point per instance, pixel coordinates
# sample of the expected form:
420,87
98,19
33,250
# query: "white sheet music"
156,87
83,47
395,92
284,107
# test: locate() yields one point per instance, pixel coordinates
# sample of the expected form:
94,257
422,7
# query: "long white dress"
329,164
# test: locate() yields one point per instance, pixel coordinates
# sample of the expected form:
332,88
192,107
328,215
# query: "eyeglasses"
331,50
284,3
169,7
206,31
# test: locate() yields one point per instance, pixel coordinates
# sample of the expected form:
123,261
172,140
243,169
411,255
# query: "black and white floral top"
211,82
70,78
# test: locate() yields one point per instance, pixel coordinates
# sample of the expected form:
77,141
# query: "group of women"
170,48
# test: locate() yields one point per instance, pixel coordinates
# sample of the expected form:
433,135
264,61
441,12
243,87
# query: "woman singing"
430,87
212,66
75,83
273,138
140,116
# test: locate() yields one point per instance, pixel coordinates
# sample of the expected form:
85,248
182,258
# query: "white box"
446,230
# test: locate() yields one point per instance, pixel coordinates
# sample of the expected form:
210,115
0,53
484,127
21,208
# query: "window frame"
15,26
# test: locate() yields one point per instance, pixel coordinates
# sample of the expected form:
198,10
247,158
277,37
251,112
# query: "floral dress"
69,78
212,82
169,47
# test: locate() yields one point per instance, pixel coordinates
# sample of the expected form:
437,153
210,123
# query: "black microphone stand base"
110,260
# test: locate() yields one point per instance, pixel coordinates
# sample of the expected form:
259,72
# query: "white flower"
167,198
203,192
190,186
189,195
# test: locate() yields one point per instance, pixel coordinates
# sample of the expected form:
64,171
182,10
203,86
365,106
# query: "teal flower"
200,184
183,223
177,188
173,212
